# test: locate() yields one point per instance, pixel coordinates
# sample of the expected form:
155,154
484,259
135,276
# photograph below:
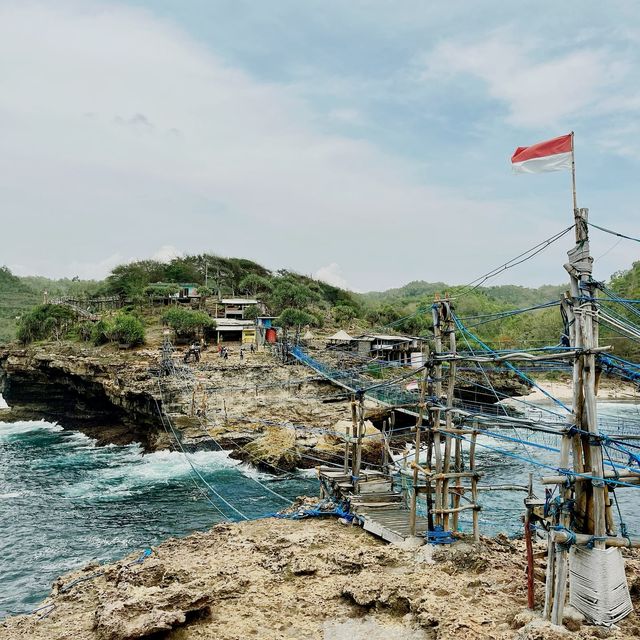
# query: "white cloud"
346,115
538,90
166,253
332,274
121,134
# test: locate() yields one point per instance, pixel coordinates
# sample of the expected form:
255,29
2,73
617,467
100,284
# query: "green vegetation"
15,298
124,329
45,322
408,310
228,277
187,323
19,295
127,329
58,322
161,290
297,300
627,283
293,318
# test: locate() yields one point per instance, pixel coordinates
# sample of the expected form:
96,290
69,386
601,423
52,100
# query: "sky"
364,142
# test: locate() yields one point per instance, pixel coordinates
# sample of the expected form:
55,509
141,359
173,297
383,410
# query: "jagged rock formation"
110,397
275,416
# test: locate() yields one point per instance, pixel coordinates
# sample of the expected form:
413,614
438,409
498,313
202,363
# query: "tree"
130,280
294,318
287,294
127,329
251,313
44,322
187,323
344,313
254,284
161,290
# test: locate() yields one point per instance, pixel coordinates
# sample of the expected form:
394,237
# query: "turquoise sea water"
64,501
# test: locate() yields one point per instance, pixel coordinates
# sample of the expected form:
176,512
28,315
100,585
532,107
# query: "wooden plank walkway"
391,524
376,505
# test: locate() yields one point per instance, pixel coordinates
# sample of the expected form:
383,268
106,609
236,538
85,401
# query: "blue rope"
513,368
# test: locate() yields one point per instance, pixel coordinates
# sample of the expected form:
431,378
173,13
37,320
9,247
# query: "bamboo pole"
358,461
474,483
354,439
549,584
573,173
453,510
416,465
449,328
587,323
628,477
562,554
430,435
437,446
607,541
529,544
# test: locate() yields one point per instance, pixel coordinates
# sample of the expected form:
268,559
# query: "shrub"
187,323
44,322
344,313
101,332
127,329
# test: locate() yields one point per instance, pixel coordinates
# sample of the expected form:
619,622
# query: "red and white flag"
552,155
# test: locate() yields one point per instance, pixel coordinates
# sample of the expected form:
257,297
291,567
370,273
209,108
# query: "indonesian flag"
552,155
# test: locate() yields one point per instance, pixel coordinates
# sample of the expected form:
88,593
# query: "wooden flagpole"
573,174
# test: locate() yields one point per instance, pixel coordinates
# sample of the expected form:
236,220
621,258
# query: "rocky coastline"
301,580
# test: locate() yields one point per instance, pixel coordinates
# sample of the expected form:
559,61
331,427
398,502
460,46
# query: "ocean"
64,501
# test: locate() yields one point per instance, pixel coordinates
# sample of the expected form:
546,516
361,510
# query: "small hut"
341,338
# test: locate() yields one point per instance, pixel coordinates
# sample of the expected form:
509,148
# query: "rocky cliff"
110,397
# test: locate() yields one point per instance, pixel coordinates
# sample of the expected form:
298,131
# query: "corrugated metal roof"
238,301
377,336
232,322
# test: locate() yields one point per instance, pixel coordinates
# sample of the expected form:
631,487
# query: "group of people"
223,352
193,352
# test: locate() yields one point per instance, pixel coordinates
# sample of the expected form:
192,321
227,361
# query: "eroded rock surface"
313,579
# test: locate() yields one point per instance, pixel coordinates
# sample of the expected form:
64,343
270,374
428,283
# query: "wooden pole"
346,435
531,600
354,434
608,541
449,328
358,461
573,173
588,311
437,340
562,554
474,483
416,469
430,416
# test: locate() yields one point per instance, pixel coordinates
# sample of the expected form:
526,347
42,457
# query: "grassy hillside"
408,309
419,291
300,300
18,295
15,297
